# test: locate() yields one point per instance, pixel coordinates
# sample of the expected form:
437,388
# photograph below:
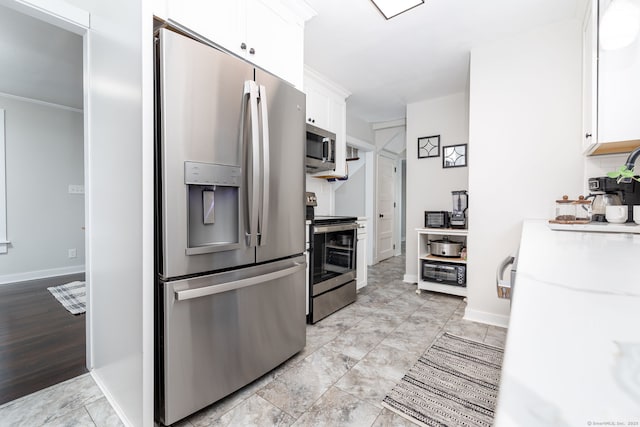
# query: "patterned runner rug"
455,383
71,295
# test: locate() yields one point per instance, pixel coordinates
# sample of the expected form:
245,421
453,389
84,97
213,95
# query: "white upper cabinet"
590,77
276,40
318,105
327,109
265,33
611,87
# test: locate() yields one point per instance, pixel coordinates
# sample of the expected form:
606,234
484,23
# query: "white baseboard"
410,278
110,399
487,318
40,274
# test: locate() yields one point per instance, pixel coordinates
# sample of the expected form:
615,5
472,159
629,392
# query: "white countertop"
572,355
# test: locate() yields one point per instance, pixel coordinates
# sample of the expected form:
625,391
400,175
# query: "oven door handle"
237,284
319,229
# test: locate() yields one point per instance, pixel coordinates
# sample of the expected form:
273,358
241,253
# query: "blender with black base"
460,204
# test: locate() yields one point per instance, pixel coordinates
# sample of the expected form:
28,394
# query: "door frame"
394,159
77,21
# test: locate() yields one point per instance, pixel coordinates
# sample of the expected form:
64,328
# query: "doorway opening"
41,94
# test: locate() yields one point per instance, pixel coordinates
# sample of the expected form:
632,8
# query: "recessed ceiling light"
391,8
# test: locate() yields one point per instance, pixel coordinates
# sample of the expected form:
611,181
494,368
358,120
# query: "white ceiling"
420,54
39,61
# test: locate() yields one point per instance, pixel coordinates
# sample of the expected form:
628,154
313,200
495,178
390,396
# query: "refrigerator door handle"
237,284
263,216
253,196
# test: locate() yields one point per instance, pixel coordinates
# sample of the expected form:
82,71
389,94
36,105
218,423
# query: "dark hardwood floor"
41,343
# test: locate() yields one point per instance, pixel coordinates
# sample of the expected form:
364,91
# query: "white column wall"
119,181
525,124
429,185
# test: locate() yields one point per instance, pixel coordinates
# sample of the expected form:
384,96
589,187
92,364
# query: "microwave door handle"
251,90
325,149
263,215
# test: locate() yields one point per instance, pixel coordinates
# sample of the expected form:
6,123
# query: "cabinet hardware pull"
587,135
252,51
243,46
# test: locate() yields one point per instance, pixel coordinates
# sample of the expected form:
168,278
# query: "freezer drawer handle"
237,284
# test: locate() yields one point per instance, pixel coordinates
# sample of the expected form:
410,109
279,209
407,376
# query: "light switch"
76,189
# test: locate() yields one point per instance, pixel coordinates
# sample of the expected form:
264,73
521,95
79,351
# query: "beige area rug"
71,295
455,383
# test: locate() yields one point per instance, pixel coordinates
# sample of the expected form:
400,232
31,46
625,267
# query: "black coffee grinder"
460,204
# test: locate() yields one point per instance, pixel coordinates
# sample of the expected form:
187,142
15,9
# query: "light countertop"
572,355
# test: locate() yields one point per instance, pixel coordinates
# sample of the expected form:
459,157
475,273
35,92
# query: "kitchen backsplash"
324,193
600,165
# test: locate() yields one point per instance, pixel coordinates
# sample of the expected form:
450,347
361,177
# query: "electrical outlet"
73,253
76,189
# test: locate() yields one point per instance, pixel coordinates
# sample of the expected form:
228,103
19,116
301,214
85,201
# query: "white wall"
44,154
359,129
325,195
429,185
525,121
350,195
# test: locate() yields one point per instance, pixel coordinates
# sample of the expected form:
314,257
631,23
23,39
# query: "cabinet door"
275,39
219,21
618,94
590,77
318,108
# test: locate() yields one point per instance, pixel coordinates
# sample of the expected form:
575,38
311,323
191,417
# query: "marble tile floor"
351,360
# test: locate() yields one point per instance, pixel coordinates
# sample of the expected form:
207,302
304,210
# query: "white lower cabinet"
361,254
455,266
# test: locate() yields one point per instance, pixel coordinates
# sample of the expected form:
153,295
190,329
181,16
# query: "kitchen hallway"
351,360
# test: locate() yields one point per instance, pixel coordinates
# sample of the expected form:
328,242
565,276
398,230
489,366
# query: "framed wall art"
429,146
454,156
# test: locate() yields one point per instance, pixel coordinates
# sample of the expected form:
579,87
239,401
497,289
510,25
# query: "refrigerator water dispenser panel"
214,207
208,206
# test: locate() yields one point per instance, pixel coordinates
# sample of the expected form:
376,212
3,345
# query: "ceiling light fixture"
391,8
620,25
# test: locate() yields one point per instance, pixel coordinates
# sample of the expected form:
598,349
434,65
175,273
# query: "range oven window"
334,254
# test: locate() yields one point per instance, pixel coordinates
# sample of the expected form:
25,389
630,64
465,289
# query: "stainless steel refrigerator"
230,301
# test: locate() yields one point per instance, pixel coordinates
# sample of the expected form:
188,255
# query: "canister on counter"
565,209
583,209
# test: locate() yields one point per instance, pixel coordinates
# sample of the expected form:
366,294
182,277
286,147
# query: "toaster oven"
436,219
444,272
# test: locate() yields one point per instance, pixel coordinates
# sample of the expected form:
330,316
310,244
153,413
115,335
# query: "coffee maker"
610,191
460,203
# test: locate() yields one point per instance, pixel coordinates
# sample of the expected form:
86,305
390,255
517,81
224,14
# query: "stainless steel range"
332,266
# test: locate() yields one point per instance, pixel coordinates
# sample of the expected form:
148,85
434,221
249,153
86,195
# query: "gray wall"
44,154
360,129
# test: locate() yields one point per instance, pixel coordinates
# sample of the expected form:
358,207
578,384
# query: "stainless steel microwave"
321,150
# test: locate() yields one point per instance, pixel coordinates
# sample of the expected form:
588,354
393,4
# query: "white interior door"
386,208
